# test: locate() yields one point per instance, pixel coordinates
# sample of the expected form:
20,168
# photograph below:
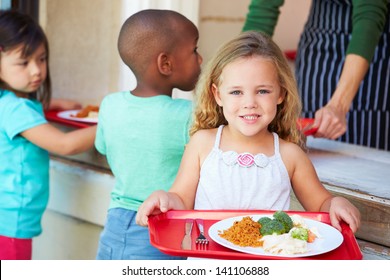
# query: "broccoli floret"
300,233
284,219
272,227
263,220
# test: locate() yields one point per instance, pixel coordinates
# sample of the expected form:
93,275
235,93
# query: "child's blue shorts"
123,239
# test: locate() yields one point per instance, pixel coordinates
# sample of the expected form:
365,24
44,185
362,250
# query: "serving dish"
52,116
329,239
71,115
306,125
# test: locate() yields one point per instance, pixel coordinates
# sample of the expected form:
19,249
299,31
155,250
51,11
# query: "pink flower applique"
245,159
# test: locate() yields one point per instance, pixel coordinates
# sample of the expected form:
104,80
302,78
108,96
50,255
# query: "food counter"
361,175
92,157
80,187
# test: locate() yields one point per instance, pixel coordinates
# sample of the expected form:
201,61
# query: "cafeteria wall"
84,60
85,66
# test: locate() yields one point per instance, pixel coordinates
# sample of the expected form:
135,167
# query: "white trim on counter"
80,192
358,169
349,149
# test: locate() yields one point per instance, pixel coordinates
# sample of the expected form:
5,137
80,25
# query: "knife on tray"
186,243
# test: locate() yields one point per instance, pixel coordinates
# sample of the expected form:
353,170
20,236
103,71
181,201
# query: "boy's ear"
164,64
215,92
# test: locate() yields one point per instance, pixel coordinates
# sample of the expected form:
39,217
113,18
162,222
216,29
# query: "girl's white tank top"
229,180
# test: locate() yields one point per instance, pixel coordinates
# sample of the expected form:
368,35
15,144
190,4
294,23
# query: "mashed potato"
283,244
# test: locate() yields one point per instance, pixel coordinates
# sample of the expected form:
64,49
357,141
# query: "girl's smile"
250,118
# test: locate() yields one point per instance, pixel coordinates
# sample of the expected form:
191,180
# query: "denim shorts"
123,239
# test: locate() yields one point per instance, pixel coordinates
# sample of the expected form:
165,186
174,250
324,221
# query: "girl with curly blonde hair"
245,151
208,114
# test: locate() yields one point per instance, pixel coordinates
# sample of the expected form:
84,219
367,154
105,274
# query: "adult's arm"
368,20
263,16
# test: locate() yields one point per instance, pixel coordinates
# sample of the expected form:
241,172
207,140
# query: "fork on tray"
202,239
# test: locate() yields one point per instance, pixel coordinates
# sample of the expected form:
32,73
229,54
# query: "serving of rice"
244,233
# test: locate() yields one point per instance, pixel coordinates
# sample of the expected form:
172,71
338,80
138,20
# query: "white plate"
68,115
330,238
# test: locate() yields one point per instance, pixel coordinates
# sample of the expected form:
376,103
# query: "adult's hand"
330,121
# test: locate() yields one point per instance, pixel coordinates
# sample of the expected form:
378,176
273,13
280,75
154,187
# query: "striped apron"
320,57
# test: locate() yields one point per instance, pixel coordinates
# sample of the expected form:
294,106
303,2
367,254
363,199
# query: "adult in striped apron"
353,35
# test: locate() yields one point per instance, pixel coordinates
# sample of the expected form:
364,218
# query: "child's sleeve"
99,140
189,123
100,143
22,116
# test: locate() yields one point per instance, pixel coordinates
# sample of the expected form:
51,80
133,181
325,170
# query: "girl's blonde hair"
208,114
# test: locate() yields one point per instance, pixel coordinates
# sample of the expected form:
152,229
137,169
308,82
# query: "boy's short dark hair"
147,33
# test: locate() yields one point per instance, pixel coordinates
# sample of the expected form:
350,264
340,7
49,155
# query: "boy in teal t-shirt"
143,132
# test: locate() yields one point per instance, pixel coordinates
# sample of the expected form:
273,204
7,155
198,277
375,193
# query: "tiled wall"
84,63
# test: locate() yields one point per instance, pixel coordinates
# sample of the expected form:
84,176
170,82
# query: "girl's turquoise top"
24,168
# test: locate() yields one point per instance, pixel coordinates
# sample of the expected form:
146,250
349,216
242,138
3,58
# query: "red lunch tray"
52,116
167,231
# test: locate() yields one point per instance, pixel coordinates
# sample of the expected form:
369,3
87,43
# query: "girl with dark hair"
25,135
